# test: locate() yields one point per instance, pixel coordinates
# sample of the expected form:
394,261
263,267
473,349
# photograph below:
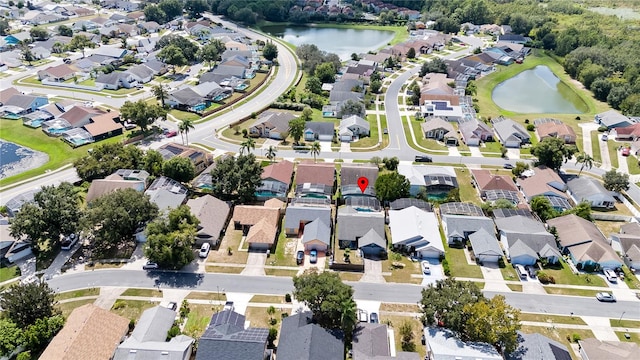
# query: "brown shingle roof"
78,114
322,173
488,181
251,214
552,129
281,171
103,124
538,184
7,93
60,71
110,184
211,212
90,333
262,233
583,239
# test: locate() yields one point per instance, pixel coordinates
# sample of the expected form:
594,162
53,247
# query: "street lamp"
620,320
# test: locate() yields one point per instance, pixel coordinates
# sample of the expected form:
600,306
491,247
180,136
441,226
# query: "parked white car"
204,250
610,275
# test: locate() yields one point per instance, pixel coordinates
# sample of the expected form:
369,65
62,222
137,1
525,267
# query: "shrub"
545,278
173,332
273,334
501,263
602,129
445,267
119,304
575,337
287,298
531,127
288,106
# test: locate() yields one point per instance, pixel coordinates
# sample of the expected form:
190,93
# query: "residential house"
526,240
258,223
17,38
105,125
486,248
628,240
461,208
446,107
117,181
510,133
584,243
149,27
371,342
416,231
441,130
514,38
317,236
199,97
590,190
276,180
350,175
613,119
12,249
474,131
315,179
78,116
493,186
546,128
537,346
167,193
6,94
213,214
24,103
200,159
442,344
319,131
115,80
58,73
227,337
543,181
149,338
352,128
594,349
298,215
301,339
141,74
90,332
15,203
111,52
457,228
435,180
404,203
271,124
362,230
505,213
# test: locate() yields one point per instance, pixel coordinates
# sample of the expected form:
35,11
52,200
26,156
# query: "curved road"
391,292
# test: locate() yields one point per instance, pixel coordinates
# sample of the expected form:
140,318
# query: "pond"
15,159
340,41
537,91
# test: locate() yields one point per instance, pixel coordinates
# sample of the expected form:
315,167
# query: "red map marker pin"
363,182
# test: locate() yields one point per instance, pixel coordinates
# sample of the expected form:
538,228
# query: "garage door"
430,254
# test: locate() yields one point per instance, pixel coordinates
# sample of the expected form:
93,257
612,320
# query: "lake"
537,91
340,41
15,159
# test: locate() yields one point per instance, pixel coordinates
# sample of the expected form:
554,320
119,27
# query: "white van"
522,272
204,250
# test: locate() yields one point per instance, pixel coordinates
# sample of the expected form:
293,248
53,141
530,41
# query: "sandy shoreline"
32,159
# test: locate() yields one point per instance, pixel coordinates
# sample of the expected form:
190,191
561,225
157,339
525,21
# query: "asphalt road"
400,293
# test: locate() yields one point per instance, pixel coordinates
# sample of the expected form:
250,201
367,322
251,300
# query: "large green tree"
153,162
616,181
11,336
327,297
553,152
195,8
179,169
211,52
38,33
172,55
493,321
236,178
296,129
142,113
154,13
54,212
392,186
106,158
24,304
325,72
270,51
542,207
189,48
170,240
114,218
80,42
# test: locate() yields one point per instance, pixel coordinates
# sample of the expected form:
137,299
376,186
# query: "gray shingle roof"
320,127
537,346
296,214
485,243
520,224
317,230
302,340
226,339
458,225
353,224
584,188
372,237
370,340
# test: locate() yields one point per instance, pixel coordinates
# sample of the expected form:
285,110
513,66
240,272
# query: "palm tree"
185,126
160,93
348,317
248,145
586,160
315,149
271,153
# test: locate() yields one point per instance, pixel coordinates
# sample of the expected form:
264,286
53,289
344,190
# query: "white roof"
415,227
416,173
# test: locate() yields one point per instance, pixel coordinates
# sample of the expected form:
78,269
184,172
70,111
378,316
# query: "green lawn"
77,294
401,274
285,254
142,292
613,153
467,191
570,292
633,337
558,319
9,273
491,148
68,307
624,323
559,335
184,115
508,272
595,145
199,295
563,275
132,309
60,153
632,162
198,319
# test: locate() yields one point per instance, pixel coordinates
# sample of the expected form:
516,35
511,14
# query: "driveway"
586,136
493,280
513,154
436,273
475,151
372,271
255,264
325,146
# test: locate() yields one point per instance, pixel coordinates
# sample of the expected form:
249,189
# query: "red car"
172,133
626,152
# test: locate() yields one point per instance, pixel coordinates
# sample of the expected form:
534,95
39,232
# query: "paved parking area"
325,146
437,273
493,278
320,265
372,271
475,151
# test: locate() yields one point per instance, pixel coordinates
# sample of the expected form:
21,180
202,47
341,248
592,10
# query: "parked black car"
423,158
299,257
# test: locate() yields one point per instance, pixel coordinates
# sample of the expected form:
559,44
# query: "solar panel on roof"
461,208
